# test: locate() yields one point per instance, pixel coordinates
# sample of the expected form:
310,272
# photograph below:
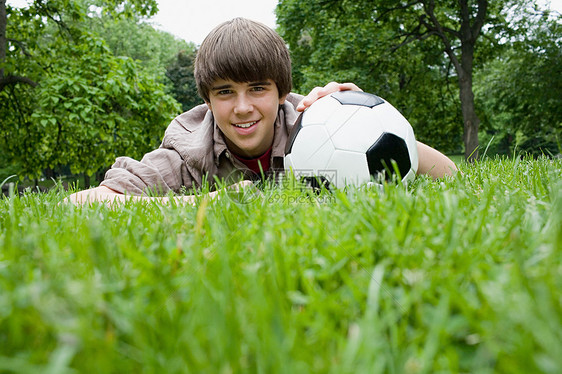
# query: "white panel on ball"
339,119
320,111
360,131
312,148
411,174
350,168
413,147
390,118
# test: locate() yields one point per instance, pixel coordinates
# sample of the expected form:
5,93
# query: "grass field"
459,275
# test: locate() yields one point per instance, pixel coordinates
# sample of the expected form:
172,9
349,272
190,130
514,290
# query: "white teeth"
244,125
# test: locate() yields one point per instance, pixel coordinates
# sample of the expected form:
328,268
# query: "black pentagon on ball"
387,148
357,98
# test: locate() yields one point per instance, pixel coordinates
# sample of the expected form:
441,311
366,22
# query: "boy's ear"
282,99
209,105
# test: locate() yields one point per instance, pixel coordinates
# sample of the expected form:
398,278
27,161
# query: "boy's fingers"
319,92
309,99
328,89
349,87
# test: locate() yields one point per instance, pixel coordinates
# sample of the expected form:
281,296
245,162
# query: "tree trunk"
100,175
470,119
471,124
467,35
6,79
49,173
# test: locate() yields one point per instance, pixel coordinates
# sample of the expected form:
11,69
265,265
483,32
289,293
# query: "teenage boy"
243,73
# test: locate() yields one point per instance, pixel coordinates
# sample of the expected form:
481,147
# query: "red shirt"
254,163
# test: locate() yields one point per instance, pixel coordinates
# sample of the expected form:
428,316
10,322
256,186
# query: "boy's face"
246,114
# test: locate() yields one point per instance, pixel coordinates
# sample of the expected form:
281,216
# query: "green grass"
460,275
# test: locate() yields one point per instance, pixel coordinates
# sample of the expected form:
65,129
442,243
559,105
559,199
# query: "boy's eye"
224,92
258,88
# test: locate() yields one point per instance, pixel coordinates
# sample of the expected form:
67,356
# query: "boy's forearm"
434,163
107,195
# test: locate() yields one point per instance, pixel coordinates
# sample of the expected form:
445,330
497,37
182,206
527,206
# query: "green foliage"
180,74
137,39
345,41
124,8
458,275
159,53
394,49
520,93
89,106
99,108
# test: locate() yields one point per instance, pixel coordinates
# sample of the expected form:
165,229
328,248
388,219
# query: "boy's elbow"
450,169
437,171
434,163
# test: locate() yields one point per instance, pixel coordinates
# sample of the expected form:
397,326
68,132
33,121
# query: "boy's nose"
243,105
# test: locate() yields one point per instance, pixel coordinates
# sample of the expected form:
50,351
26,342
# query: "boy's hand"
319,92
96,194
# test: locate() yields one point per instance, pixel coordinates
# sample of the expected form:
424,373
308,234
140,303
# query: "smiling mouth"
245,125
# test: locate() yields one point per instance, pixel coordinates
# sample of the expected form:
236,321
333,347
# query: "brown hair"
242,50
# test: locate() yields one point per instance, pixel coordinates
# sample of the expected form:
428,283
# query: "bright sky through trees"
189,20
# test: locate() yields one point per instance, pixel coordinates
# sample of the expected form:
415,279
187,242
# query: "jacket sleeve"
159,171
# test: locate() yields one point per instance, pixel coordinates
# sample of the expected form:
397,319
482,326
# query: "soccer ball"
352,138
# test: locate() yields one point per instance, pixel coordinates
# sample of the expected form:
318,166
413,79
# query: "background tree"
134,37
82,106
159,53
59,12
520,92
324,47
361,40
180,74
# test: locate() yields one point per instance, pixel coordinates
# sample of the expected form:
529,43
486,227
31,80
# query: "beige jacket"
193,149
